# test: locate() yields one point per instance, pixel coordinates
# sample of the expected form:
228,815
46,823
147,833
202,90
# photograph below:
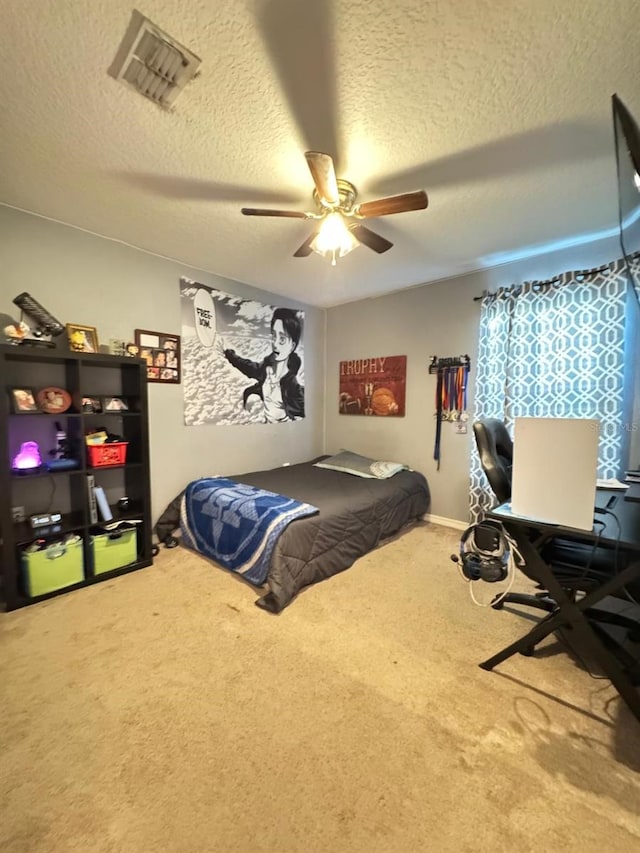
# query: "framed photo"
114,404
82,338
161,351
23,401
53,400
117,346
92,405
373,386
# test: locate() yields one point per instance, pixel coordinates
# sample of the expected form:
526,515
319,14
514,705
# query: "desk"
531,535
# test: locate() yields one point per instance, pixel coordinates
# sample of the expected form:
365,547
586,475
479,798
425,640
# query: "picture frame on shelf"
82,338
23,401
161,351
117,346
91,405
114,404
53,400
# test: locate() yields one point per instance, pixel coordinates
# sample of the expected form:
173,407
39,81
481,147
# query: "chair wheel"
498,605
155,550
528,652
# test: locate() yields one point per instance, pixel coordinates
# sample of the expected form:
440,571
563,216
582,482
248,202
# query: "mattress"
355,514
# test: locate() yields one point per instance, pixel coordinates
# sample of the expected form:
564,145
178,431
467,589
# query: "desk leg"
572,614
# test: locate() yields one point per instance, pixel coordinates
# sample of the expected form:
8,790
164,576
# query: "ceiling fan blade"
259,211
369,238
394,204
324,176
299,38
305,250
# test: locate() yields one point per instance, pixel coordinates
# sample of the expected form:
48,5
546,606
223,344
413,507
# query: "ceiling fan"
340,230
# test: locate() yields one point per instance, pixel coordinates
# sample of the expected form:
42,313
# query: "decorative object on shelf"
23,401
132,351
14,333
53,400
91,405
373,386
103,504
110,453
161,351
61,453
41,327
117,346
82,338
27,460
451,395
64,464
114,404
46,520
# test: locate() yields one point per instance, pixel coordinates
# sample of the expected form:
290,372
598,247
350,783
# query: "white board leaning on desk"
555,465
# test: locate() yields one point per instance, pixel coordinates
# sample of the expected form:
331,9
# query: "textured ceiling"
499,109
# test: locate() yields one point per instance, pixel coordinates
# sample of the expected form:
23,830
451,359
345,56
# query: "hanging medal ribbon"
451,393
439,393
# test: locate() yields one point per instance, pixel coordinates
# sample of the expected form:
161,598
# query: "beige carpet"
163,711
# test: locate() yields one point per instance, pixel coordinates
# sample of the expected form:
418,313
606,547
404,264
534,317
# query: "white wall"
85,279
440,319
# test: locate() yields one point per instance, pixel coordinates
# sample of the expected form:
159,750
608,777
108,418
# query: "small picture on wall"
373,386
161,351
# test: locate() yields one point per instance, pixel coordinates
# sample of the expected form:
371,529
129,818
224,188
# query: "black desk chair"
495,449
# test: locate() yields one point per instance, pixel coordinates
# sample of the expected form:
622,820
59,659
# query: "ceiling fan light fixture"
334,240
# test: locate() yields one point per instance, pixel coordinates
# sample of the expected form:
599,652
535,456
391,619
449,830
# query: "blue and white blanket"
237,525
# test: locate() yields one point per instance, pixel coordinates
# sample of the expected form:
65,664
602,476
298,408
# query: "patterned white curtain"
556,349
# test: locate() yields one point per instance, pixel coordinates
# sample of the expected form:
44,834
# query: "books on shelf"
91,497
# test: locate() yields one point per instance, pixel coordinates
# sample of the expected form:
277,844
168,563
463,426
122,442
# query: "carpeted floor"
163,711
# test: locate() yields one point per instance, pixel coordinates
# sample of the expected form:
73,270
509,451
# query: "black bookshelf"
65,491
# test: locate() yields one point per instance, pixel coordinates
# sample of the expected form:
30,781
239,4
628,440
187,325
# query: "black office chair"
495,449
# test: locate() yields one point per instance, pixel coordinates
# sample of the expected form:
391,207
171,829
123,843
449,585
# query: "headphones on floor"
484,553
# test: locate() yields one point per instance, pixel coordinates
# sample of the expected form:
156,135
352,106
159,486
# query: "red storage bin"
100,455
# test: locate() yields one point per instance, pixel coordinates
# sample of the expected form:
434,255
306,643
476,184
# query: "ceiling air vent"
152,62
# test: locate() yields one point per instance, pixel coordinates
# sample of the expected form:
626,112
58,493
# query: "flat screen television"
627,141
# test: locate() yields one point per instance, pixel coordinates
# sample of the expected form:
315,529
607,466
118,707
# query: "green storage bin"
114,550
53,568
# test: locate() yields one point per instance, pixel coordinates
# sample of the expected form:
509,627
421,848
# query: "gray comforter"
355,514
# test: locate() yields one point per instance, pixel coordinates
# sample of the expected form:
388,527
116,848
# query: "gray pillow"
361,466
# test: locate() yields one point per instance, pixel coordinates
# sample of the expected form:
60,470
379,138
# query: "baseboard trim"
445,522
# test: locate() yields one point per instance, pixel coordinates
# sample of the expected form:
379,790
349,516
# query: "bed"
354,515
